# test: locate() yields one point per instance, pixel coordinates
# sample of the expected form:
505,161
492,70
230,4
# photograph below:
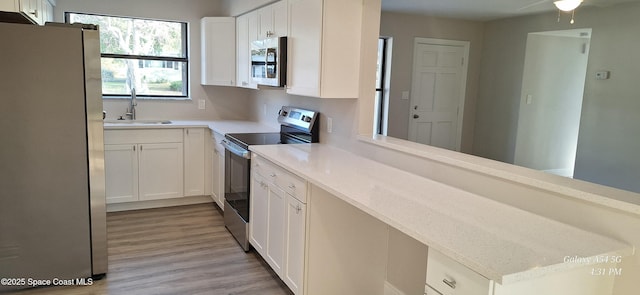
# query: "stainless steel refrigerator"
52,199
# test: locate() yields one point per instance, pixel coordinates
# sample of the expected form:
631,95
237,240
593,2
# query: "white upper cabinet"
218,37
37,11
246,31
324,48
273,20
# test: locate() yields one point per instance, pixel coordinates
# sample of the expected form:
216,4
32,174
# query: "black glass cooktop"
247,139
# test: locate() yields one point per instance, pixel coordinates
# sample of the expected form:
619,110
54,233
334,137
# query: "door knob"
415,116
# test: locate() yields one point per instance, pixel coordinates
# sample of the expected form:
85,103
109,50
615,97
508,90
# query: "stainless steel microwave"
269,61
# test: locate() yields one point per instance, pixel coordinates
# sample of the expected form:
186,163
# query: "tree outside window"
148,55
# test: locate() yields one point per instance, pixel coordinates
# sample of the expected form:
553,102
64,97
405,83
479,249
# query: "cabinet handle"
449,283
134,148
298,209
262,184
187,131
273,175
140,148
292,186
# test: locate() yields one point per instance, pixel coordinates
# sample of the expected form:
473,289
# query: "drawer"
449,277
143,136
262,167
285,180
293,185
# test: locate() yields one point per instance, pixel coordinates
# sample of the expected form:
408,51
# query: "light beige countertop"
498,241
222,126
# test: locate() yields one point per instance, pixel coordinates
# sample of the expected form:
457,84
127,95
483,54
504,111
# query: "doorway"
438,91
553,78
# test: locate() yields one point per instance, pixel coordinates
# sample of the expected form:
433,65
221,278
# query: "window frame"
185,48
381,89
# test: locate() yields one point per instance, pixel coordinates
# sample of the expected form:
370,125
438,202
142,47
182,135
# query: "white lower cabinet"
143,165
160,171
448,277
217,175
258,214
276,228
277,221
121,172
295,238
194,161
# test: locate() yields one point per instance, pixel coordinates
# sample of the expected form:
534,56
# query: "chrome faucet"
131,111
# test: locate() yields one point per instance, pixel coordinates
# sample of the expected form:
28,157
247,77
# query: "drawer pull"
292,186
273,175
451,283
298,209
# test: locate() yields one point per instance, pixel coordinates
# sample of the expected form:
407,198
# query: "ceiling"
481,10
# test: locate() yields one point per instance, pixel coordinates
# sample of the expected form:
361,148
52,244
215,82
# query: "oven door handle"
236,150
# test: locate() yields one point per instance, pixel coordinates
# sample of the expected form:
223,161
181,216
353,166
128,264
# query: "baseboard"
390,289
158,203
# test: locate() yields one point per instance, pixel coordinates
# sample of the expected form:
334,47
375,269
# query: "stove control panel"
299,118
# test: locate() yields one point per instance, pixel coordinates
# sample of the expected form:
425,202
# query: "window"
148,55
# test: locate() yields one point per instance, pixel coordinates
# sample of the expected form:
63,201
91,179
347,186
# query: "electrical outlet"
405,94
202,104
329,125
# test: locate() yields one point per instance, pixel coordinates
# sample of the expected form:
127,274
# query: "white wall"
238,7
607,147
222,102
554,77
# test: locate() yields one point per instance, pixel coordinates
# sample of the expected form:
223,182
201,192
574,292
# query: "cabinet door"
216,181
218,37
246,31
121,172
280,11
160,171
242,51
194,161
253,26
31,8
276,229
258,214
9,5
303,48
47,11
265,22
295,239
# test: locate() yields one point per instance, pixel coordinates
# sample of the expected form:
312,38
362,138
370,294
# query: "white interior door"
437,96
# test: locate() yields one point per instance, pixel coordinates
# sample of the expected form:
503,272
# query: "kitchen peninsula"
512,250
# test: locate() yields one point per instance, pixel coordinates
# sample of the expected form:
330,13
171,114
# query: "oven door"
237,178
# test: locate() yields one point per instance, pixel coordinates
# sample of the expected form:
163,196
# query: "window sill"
165,98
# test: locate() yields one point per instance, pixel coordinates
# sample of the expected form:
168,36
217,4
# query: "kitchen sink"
149,122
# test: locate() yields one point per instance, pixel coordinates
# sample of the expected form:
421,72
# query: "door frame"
463,82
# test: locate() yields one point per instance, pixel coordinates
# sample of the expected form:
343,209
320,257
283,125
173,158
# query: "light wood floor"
177,250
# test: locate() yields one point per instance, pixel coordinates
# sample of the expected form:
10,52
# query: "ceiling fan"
562,5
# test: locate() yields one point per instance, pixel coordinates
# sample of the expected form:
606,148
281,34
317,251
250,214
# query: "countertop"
499,242
222,127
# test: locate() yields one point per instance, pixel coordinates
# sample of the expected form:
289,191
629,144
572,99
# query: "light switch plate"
405,94
202,104
329,125
602,75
